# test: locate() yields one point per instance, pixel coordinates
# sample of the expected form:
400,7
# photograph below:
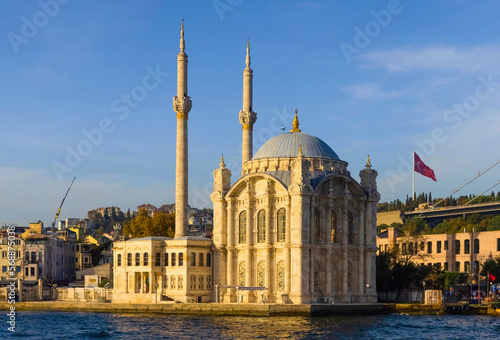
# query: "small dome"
288,144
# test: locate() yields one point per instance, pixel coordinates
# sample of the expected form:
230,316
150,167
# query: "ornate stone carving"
182,106
280,269
247,119
261,274
242,273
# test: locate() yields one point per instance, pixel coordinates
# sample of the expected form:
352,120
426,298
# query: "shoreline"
234,309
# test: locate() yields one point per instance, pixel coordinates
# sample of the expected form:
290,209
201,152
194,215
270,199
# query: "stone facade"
453,252
305,242
154,269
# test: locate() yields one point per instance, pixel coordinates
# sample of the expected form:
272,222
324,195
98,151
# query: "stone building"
294,227
295,223
460,252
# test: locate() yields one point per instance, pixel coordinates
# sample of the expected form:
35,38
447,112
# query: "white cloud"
368,91
469,60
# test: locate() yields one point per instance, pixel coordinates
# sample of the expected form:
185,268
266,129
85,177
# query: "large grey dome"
288,144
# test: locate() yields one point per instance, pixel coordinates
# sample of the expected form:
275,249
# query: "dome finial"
295,123
368,164
222,164
300,151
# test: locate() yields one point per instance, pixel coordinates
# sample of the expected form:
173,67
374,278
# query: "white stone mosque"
295,227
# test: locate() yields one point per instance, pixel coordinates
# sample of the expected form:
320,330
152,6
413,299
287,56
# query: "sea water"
65,325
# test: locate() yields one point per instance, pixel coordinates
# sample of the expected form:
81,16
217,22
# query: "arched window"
173,259
157,259
193,259
129,259
146,259
282,225
181,259
209,260
243,227
261,226
137,259
317,221
119,260
333,222
166,259
200,260
350,228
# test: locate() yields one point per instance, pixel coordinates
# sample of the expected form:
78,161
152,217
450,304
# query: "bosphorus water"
63,325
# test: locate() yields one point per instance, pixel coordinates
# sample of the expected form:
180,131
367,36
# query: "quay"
235,309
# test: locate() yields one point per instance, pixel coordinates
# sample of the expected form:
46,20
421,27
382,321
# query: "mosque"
295,227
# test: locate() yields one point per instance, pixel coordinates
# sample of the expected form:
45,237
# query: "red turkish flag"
423,169
491,277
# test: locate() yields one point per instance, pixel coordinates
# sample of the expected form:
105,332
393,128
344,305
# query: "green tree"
143,225
491,266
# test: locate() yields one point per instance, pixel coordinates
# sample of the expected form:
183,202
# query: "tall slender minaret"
182,105
247,116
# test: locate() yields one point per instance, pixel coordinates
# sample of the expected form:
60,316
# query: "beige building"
153,269
452,252
11,249
295,224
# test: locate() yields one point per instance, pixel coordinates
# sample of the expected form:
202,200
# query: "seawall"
230,309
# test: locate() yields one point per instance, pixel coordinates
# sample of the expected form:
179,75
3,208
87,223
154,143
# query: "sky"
87,90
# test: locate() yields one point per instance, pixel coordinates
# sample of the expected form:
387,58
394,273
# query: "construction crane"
59,210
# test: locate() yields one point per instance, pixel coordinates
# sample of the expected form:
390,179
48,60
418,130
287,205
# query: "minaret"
247,116
182,106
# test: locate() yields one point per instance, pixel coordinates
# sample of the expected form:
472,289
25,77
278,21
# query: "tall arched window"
282,225
145,259
166,259
157,259
129,259
209,260
350,228
193,259
200,259
173,259
119,259
333,222
317,230
137,259
243,227
181,259
261,226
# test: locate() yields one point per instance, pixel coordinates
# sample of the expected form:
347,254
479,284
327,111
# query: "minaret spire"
247,116
182,105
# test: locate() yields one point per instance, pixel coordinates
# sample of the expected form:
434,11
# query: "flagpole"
413,180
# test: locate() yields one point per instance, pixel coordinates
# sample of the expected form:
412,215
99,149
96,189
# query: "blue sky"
368,77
